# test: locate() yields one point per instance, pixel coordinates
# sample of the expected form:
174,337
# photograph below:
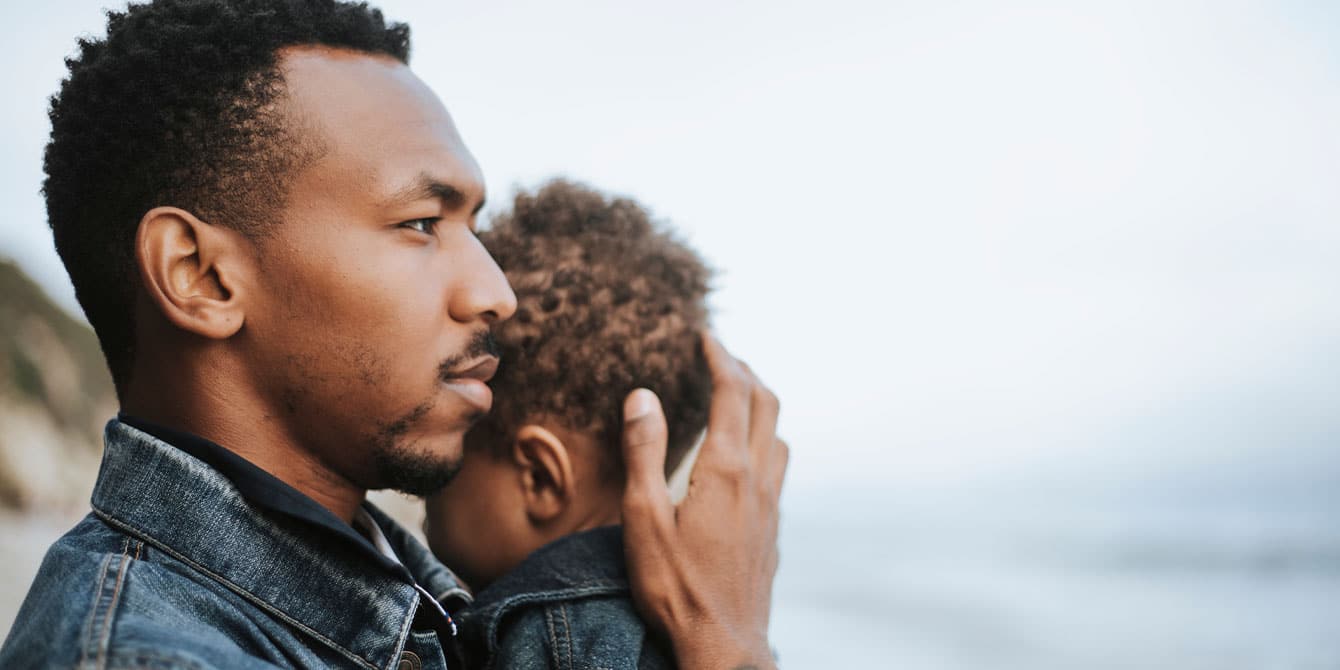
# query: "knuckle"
637,504
770,400
747,374
736,467
768,497
732,374
744,376
732,468
723,383
741,398
739,388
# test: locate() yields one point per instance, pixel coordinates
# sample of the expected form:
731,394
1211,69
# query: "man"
269,222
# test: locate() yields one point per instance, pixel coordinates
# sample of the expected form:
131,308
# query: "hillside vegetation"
55,396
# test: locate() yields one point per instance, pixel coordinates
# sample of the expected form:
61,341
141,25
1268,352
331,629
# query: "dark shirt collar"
264,540
264,489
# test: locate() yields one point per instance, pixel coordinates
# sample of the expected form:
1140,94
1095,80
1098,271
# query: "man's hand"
702,572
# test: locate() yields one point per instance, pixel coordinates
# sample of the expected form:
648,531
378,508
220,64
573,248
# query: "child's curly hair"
607,301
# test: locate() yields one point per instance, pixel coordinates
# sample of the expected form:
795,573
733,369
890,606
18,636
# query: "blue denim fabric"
175,569
566,607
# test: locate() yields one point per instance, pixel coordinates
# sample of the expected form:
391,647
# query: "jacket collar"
581,565
299,572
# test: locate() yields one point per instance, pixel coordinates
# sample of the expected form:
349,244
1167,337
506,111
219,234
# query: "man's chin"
419,452
416,471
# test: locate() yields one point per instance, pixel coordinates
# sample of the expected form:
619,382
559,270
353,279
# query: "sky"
955,237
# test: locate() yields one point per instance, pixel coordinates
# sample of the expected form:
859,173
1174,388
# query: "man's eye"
425,226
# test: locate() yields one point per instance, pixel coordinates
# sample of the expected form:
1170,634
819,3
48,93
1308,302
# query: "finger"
763,411
644,444
774,470
728,415
774,559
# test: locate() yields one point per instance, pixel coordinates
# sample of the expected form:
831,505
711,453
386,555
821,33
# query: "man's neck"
236,422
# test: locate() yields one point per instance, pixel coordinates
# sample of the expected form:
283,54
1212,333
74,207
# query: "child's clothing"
567,606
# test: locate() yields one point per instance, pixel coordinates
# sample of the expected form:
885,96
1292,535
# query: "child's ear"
547,479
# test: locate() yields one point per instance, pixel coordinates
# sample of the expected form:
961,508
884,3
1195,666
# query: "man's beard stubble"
421,472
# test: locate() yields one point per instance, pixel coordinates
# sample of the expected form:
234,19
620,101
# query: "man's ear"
193,271
547,479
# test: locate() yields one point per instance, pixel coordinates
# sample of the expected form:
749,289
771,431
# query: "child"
606,303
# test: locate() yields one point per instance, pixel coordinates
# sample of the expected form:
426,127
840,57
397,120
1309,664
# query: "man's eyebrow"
427,188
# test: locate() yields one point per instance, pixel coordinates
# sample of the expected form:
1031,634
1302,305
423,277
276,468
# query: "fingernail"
640,403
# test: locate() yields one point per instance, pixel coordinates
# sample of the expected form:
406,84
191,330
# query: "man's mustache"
482,345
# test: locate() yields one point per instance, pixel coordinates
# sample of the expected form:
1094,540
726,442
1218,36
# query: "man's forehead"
380,121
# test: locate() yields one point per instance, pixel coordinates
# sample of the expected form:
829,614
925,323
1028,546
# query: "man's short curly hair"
178,106
607,301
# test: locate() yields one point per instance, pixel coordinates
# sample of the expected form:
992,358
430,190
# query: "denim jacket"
174,568
566,607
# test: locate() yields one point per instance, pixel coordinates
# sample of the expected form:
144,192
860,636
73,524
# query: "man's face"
368,331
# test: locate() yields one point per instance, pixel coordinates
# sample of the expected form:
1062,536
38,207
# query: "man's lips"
468,381
482,369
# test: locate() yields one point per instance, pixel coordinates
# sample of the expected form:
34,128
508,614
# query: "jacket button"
410,661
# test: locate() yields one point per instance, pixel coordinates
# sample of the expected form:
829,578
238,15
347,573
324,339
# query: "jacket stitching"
553,638
98,628
404,637
93,611
106,636
148,660
494,612
567,632
237,589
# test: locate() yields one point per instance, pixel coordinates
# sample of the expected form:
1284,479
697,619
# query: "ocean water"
981,578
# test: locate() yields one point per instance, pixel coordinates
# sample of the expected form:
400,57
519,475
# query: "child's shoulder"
567,605
594,632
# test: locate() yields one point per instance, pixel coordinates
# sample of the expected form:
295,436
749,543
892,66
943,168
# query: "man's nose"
482,291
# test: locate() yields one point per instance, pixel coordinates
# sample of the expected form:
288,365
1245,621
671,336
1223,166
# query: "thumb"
644,444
